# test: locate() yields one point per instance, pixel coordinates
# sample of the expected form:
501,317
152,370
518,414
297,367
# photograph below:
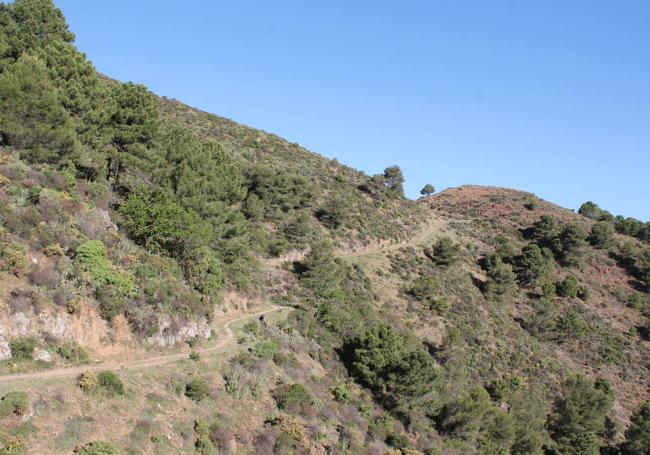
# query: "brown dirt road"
226,337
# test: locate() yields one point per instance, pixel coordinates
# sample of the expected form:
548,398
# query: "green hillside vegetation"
475,320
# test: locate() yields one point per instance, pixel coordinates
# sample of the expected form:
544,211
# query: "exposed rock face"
42,355
5,351
172,332
20,324
55,324
96,223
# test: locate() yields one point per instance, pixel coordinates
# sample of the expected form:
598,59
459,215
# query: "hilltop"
174,282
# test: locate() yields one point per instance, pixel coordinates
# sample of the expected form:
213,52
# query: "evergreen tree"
533,263
602,234
443,252
199,173
427,190
578,418
637,436
394,181
133,126
544,232
501,279
30,24
572,240
31,115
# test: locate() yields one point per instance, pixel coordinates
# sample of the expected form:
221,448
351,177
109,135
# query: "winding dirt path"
433,227
226,337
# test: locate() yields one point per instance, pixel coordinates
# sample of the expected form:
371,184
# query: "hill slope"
134,229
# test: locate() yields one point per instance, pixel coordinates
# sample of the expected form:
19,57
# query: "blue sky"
549,96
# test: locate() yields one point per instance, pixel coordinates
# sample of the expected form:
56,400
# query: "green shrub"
572,240
545,233
341,393
444,252
531,204
382,360
501,279
195,356
425,288
112,301
11,444
602,234
266,349
568,287
110,383
334,213
637,436
197,389
22,348
578,418
203,444
398,441
534,263
14,403
13,257
72,352
97,448
92,257
473,417
288,395
87,381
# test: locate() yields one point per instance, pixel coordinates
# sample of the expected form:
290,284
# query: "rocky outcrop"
177,331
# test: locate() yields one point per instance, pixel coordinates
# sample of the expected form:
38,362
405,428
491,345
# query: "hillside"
174,282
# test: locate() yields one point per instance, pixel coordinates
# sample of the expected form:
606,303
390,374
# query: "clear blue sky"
548,96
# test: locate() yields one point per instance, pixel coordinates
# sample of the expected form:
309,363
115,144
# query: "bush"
14,403
292,396
197,389
334,213
636,301
341,393
578,418
472,417
602,234
637,436
110,383
531,204
97,448
111,301
381,360
572,240
92,257
13,258
72,352
444,252
195,356
87,381
398,441
203,444
533,263
11,444
22,348
544,232
424,288
266,349
568,287
501,279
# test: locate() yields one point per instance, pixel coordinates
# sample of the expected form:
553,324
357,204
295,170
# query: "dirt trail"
432,227
226,336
